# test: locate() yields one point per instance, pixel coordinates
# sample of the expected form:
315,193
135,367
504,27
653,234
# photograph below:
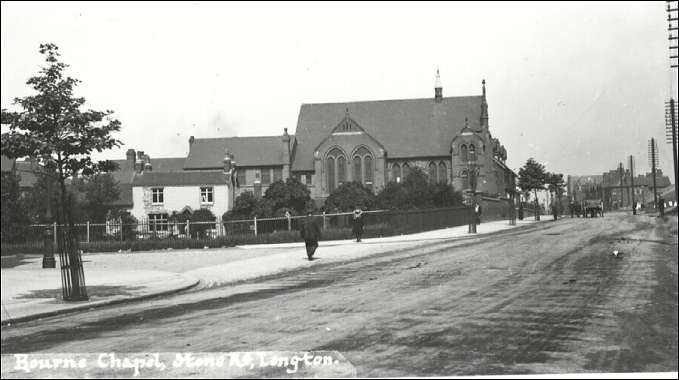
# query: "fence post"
324,220
55,234
289,222
188,232
88,232
255,225
120,220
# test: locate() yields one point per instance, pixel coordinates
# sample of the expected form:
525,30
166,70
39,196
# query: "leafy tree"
100,190
350,195
180,218
199,217
15,222
289,195
243,207
54,130
556,185
532,177
417,192
444,195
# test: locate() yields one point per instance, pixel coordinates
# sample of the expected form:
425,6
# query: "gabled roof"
406,127
183,178
208,153
125,174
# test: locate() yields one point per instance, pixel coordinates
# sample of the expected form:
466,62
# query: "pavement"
29,292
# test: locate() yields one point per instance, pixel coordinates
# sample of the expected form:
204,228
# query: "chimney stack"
139,164
130,157
147,163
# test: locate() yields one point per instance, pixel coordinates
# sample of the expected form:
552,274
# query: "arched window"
406,170
357,173
472,153
336,168
443,172
463,152
363,166
331,174
341,170
432,172
396,172
368,170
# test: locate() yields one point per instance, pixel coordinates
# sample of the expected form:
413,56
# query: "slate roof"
125,175
407,128
208,153
184,178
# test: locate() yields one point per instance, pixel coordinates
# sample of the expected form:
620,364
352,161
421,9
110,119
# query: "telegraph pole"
622,198
670,117
671,135
654,161
631,174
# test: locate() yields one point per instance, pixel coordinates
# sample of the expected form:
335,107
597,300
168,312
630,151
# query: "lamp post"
48,260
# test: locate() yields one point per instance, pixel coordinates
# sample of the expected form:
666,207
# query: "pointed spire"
484,107
438,89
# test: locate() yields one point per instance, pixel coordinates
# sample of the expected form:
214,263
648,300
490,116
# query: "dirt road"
544,300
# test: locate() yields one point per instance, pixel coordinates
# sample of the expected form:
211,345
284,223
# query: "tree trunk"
73,278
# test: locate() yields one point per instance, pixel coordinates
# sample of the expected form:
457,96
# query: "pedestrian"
661,206
555,211
357,224
311,233
477,212
571,208
520,210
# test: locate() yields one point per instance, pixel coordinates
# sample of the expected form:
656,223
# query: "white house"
156,195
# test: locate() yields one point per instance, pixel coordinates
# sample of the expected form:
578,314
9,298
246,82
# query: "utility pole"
620,173
670,117
631,172
671,135
653,157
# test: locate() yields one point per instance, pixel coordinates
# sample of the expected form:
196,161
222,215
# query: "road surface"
547,299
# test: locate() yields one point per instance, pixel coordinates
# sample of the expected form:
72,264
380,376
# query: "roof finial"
438,89
483,85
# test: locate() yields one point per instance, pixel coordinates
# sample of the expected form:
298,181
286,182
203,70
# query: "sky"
579,87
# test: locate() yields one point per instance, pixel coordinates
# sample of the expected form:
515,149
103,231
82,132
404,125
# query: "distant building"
615,188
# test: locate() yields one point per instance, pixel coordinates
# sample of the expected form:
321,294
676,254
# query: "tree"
15,222
417,192
247,206
532,177
198,222
100,190
53,129
555,185
289,195
350,195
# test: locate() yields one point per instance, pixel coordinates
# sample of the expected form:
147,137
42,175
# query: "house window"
158,222
463,152
266,176
357,175
157,195
240,177
277,174
206,195
308,179
472,153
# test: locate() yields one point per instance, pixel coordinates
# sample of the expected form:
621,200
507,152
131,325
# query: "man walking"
357,224
311,233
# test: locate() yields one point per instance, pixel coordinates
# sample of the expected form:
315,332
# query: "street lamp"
48,260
